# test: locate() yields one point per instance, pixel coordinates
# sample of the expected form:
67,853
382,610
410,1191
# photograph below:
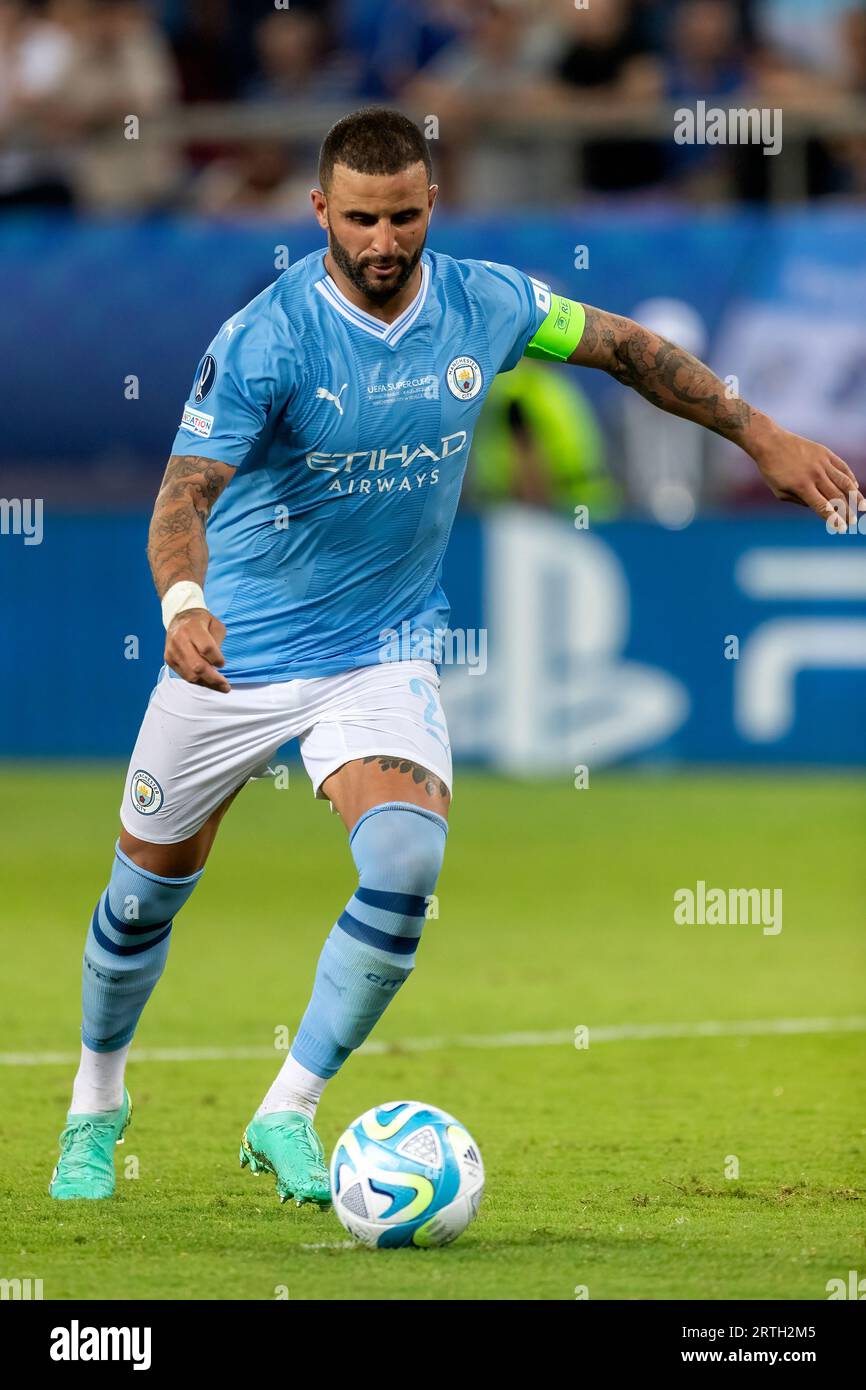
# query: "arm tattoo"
433,785
177,545
663,373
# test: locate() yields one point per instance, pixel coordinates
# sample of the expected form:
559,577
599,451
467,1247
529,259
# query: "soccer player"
301,522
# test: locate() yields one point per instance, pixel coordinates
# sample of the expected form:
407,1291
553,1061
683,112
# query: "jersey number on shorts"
422,689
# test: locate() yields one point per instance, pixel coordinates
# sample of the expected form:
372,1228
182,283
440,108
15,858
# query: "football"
406,1173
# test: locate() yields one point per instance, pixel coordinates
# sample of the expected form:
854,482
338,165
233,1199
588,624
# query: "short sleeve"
514,304
234,391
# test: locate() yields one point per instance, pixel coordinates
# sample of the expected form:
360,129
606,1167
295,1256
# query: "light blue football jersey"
350,439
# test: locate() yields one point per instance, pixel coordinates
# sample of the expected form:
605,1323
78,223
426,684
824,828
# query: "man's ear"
319,201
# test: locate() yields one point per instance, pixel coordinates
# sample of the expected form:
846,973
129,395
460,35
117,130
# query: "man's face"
376,225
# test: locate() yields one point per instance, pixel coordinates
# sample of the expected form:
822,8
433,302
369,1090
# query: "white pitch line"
332,1245
624,1032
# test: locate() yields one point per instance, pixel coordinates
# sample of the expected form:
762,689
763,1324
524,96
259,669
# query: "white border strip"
626,1032
389,333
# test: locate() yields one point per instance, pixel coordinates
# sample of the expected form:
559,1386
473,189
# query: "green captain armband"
556,338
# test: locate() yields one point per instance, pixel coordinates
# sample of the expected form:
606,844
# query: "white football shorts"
196,745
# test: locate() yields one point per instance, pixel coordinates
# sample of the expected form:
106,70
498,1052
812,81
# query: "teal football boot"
285,1144
85,1167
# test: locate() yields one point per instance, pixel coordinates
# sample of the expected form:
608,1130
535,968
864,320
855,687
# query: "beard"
354,270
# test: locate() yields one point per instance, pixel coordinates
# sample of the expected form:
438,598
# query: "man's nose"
385,240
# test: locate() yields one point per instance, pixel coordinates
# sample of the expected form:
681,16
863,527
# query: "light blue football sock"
370,952
126,949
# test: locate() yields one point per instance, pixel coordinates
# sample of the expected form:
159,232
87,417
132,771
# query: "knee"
137,894
166,861
400,847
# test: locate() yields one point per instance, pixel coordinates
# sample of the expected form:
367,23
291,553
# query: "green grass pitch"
607,1167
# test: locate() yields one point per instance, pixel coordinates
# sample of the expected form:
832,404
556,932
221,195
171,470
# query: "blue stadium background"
86,304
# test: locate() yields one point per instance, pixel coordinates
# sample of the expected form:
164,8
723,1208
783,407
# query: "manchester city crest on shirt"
207,373
146,793
464,377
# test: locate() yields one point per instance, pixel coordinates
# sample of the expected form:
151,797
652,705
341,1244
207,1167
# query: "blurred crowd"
82,83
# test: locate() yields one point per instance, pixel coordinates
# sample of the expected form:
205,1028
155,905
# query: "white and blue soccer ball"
406,1174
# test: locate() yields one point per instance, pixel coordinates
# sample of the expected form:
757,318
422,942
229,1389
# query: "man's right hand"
192,648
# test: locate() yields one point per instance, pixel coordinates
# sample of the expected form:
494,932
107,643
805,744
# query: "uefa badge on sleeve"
146,793
207,374
464,377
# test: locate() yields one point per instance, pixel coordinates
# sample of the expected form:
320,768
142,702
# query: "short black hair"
374,140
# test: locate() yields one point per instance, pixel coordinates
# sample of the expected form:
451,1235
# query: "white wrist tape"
185,594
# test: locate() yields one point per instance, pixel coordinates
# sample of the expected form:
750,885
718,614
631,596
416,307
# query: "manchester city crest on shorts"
146,793
464,377
207,374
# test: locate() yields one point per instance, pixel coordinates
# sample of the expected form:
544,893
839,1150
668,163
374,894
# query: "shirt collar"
389,333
